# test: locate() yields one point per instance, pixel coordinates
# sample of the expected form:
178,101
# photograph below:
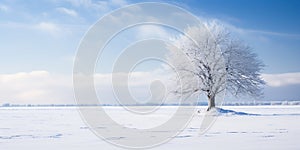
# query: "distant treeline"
231,103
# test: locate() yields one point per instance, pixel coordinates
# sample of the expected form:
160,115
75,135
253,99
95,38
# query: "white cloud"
134,78
39,87
141,85
80,2
151,31
284,79
42,87
244,31
67,11
4,8
98,5
118,2
48,27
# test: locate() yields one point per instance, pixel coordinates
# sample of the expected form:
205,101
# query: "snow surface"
237,127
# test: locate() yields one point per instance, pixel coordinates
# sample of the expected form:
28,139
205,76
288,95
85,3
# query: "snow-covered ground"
61,128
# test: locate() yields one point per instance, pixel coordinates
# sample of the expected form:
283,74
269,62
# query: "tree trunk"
211,102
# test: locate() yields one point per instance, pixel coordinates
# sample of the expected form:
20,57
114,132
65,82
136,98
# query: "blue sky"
275,20
40,38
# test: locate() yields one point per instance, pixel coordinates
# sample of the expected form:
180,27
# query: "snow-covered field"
61,128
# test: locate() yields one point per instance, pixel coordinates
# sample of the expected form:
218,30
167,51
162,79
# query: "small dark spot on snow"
268,136
233,132
84,127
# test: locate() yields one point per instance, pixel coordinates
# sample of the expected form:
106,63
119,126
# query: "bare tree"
217,62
